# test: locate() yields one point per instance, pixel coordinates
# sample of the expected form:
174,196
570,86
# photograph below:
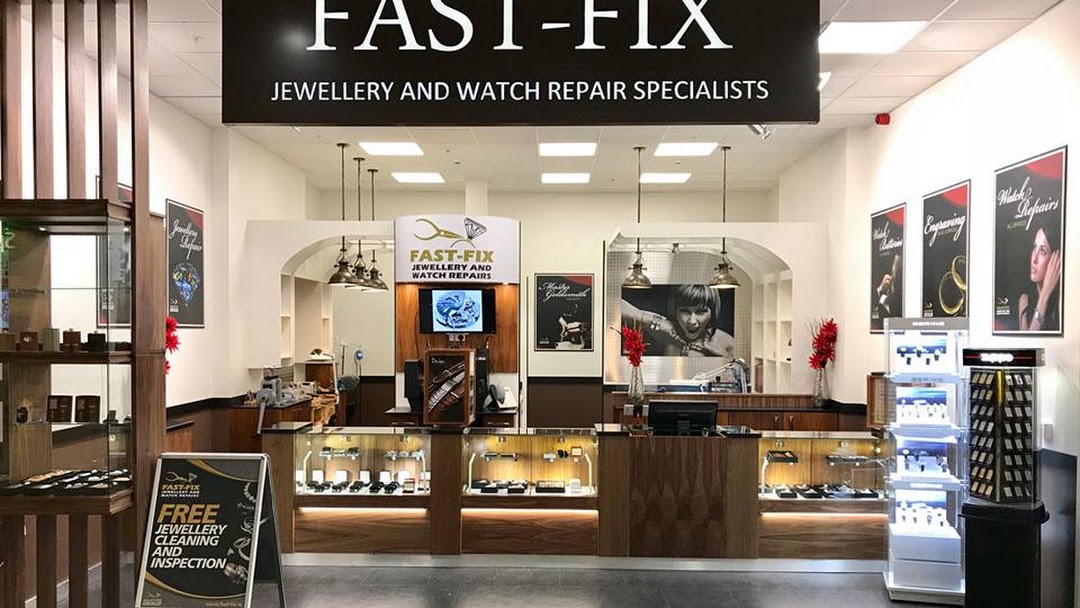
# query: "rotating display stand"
927,480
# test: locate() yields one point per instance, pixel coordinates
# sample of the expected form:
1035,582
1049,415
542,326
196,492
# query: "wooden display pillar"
446,487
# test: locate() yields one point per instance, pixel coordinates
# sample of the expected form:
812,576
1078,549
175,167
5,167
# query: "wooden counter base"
357,530
819,529
528,531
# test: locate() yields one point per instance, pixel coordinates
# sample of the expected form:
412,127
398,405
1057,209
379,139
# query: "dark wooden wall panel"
446,466
528,532
75,78
11,160
813,536
362,531
503,343
565,402
614,496
374,396
44,163
693,497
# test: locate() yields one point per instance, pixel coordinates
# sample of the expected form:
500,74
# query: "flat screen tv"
682,417
457,311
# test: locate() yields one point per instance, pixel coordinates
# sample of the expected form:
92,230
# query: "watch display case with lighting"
530,463
927,399
361,461
832,466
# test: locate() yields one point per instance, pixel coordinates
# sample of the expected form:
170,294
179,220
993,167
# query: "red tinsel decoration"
172,340
633,345
824,343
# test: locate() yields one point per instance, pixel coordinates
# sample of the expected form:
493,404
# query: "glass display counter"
533,462
351,461
832,466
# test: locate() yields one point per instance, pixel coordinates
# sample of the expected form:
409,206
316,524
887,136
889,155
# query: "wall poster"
682,320
886,266
114,288
184,230
945,252
564,312
1029,248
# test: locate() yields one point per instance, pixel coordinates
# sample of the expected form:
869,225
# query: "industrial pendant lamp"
374,276
724,279
343,276
359,269
637,279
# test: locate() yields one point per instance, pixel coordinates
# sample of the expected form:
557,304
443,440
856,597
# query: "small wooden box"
450,387
877,411
28,340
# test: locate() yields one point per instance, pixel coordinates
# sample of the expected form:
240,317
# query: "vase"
635,394
820,393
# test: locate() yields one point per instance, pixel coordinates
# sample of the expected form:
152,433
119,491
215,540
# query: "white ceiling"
186,71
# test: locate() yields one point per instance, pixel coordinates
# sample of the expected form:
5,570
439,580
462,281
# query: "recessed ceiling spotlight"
568,149
564,178
686,149
665,178
391,148
867,37
406,177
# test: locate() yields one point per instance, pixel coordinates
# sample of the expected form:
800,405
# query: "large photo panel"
945,252
1029,246
886,266
682,320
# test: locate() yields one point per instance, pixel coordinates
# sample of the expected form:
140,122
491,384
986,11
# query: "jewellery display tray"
542,463
71,483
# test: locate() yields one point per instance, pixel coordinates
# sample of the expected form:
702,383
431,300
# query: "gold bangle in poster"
958,281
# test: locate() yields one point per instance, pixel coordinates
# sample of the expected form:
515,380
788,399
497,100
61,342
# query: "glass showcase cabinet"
928,443
354,461
532,462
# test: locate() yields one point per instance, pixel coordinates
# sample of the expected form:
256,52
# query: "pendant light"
637,279
374,275
359,269
343,276
724,279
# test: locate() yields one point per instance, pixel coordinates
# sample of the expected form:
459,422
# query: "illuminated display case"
832,466
1004,423
353,461
65,349
533,462
927,455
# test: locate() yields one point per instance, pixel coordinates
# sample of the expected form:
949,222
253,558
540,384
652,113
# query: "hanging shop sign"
457,249
886,266
1029,246
945,252
451,62
211,533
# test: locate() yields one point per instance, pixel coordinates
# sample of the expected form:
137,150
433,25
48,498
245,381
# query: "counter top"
255,406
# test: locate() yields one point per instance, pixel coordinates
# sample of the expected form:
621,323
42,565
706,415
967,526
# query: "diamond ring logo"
473,229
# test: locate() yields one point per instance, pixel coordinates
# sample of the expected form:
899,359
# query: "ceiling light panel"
406,177
391,148
665,178
568,149
868,37
686,149
564,178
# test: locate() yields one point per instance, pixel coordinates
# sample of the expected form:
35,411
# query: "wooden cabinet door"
759,421
809,421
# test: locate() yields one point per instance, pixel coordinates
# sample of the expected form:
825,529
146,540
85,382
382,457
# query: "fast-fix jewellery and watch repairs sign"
211,533
494,62
457,249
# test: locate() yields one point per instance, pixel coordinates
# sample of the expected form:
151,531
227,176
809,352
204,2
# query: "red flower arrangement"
633,344
172,340
824,343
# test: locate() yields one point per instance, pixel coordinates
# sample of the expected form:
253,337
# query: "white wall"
561,232
1015,101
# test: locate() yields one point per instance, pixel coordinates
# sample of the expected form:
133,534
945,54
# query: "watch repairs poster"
945,252
886,266
564,308
1029,246
185,231
210,515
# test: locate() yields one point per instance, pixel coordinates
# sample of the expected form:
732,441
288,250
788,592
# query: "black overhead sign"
539,62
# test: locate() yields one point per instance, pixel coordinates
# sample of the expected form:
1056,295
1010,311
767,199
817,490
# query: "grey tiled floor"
333,587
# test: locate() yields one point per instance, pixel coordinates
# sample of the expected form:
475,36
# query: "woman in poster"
1038,302
691,327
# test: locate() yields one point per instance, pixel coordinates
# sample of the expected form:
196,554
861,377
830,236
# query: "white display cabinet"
771,335
928,444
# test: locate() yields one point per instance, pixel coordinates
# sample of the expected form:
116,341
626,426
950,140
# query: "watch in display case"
1003,419
529,462
829,466
928,444
347,461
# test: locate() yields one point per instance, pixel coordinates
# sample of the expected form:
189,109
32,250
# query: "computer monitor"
670,417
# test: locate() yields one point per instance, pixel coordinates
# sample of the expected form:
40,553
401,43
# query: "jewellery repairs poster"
945,252
886,266
564,306
185,231
682,320
1029,246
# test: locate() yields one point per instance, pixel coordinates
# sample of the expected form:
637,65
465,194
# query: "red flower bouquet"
633,344
172,340
824,343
